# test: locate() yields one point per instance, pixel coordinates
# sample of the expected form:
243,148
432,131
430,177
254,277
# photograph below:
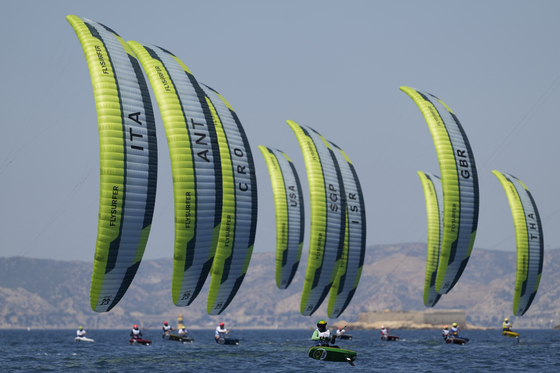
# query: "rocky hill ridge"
55,294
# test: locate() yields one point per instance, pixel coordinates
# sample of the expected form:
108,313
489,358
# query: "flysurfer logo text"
163,79
114,203
187,210
101,59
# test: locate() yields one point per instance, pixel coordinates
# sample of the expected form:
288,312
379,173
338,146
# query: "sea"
279,350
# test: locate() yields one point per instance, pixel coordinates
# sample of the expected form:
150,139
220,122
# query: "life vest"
325,334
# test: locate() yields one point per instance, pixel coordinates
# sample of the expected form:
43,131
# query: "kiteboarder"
321,335
135,333
445,332
221,331
455,330
183,332
384,332
340,331
81,332
506,329
166,327
506,325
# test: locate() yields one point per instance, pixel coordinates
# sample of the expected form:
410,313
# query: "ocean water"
276,351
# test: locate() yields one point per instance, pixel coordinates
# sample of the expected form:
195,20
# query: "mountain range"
50,294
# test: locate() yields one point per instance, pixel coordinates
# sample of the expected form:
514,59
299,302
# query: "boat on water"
176,337
82,339
140,341
332,354
227,341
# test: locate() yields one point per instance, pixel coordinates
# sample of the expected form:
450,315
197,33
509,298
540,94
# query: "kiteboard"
344,336
140,341
457,341
227,341
506,333
389,338
332,354
82,339
176,337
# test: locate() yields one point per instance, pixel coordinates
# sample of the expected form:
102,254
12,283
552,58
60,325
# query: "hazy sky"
332,65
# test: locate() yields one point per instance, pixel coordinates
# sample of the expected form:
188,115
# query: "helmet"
382,327
340,327
181,326
321,322
222,324
135,326
445,327
454,324
165,323
81,327
506,320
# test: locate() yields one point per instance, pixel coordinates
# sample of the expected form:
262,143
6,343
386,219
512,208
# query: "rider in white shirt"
384,332
221,331
445,332
340,331
81,332
166,327
135,333
183,332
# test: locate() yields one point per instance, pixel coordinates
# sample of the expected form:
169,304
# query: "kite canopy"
328,216
288,203
433,193
460,187
352,260
214,182
529,237
128,160
196,166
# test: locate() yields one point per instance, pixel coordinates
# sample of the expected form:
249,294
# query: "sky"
331,65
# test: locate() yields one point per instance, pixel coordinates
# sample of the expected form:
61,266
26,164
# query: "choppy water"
276,351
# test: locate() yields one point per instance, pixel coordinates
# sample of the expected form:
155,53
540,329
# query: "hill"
41,293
